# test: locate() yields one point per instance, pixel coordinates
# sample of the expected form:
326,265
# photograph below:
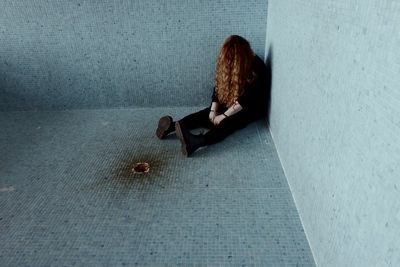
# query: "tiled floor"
68,197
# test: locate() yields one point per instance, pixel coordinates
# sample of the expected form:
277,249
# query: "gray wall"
335,118
102,54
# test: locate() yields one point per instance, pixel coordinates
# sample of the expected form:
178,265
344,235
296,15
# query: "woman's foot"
165,126
189,141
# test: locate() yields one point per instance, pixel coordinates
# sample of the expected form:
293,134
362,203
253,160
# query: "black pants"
226,127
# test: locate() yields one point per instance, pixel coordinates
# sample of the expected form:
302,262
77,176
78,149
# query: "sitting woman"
239,97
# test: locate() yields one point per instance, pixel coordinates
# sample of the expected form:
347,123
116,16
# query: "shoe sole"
163,125
179,134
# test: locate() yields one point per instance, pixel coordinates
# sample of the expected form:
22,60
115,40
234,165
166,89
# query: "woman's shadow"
268,74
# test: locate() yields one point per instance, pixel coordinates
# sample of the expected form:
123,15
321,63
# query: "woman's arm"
235,108
213,111
214,106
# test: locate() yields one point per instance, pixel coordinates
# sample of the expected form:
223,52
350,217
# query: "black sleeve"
214,96
254,95
248,97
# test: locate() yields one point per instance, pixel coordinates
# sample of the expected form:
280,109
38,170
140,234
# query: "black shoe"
165,126
190,142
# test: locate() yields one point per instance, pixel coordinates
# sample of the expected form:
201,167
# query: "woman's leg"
197,120
229,125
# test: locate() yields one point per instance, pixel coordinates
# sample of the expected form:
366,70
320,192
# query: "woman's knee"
235,122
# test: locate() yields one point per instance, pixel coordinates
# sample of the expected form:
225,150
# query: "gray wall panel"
335,118
100,54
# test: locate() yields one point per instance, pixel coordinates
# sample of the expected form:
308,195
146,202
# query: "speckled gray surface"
123,53
68,198
335,119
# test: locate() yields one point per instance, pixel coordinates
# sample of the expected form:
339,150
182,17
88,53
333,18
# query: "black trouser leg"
229,125
197,120
225,128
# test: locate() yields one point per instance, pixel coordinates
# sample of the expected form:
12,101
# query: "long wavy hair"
233,69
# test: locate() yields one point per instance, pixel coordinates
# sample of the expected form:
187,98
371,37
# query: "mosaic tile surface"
57,55
68,196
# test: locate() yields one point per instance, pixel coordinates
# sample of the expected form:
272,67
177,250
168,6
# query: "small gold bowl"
141,167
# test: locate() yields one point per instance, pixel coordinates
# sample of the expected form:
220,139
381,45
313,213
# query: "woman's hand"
212,116
218,119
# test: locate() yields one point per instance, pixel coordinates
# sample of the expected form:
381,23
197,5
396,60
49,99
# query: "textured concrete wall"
97,54
335,118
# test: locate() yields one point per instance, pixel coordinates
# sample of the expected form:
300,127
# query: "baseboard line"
294,199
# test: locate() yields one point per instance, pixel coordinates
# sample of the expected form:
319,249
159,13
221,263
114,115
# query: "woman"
239,97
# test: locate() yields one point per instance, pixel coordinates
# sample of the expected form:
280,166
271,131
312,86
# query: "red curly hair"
233,69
